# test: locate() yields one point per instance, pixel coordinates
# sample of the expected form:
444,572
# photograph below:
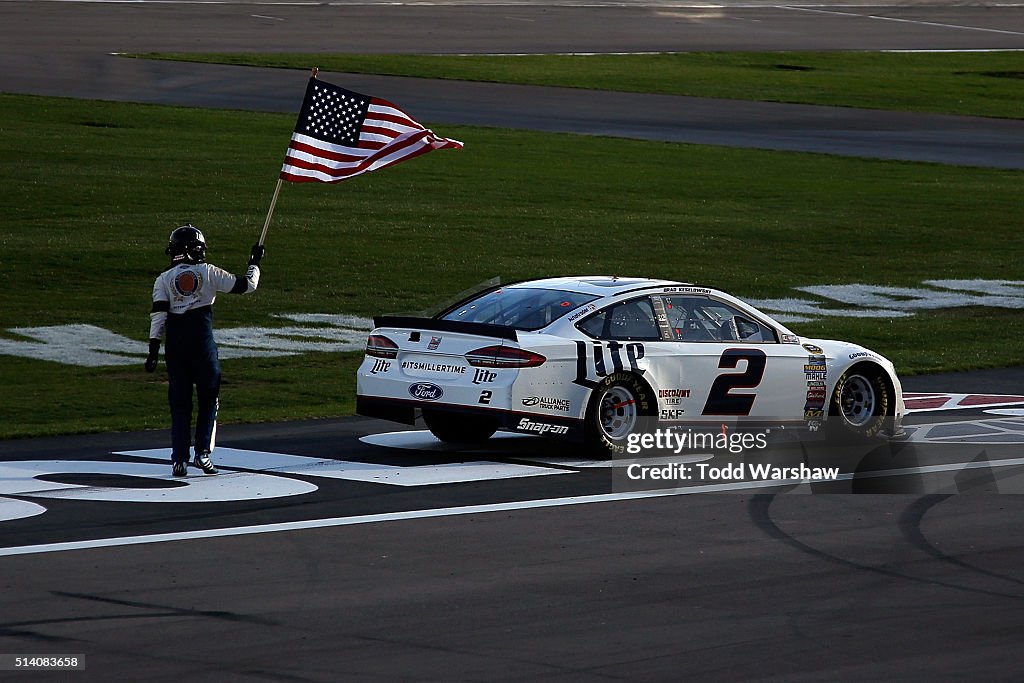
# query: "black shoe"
179,469
203,462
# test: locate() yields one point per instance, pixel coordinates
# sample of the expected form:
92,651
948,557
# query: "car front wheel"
860,403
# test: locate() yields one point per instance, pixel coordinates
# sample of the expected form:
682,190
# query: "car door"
727,364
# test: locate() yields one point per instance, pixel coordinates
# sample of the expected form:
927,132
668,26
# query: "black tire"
458,428
861,404
615,411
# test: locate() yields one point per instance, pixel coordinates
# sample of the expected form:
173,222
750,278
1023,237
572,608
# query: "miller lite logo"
484,376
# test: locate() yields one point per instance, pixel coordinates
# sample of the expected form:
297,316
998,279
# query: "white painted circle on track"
1011,412
18,509
20,478
423,440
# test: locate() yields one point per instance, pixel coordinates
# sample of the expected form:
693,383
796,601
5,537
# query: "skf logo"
672,415
379,366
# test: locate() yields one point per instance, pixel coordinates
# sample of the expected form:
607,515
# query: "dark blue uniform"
182,314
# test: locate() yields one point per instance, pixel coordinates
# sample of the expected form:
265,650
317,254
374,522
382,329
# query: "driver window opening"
698,319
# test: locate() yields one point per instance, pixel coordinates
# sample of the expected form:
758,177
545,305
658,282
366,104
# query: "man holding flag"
183,297
339,134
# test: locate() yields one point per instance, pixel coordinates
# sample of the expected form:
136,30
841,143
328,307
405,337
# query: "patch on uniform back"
188,283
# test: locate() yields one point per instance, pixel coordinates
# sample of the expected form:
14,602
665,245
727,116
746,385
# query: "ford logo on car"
425,391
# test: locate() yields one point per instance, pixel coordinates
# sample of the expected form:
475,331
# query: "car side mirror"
746,328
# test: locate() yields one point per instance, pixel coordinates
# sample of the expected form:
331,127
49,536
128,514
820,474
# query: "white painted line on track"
374,473
479,509
11,508
917,22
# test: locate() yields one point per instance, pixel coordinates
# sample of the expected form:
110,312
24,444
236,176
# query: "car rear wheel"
457,428
617,409
860,403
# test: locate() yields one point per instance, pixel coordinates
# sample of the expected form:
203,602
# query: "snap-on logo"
425,391
528,425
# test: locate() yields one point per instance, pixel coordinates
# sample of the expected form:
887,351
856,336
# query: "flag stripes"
341,134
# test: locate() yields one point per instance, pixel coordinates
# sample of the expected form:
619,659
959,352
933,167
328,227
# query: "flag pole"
277,190
273,203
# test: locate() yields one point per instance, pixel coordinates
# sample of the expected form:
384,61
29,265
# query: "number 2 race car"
595,359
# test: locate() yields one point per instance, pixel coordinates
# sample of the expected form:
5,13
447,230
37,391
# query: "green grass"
973,83
91,190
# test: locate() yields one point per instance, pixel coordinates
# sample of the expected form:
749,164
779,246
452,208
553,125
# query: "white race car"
596,359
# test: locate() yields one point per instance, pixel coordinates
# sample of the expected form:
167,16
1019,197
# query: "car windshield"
519,307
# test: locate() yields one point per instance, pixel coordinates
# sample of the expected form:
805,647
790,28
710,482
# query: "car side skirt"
405,412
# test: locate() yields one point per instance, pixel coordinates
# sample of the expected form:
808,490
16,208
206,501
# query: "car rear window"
519,307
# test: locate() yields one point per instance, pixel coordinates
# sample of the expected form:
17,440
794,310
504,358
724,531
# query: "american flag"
341,134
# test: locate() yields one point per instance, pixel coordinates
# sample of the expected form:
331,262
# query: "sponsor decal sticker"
528,425
813,348
704,291
562,405
604,358
484,376
434,343
441,368
673,393
576,315
673,397
188,283
379,366
815,368
425,391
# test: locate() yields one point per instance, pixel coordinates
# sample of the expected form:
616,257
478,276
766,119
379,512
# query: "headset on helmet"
186,244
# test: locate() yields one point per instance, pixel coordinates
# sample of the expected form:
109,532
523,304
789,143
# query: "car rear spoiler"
436,325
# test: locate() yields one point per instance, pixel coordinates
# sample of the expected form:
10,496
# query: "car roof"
597,285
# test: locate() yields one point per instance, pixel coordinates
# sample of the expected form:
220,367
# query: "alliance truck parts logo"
562,405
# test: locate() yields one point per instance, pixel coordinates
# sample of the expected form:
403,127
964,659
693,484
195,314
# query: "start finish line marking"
478,509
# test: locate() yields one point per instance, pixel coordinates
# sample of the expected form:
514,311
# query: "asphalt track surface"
66,49
754,584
